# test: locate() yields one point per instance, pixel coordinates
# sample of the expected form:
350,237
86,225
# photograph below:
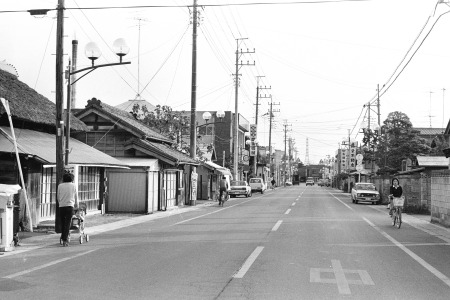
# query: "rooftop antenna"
443,106
430,116
138,96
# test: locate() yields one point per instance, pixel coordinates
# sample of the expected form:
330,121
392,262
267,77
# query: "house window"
89,186
48,193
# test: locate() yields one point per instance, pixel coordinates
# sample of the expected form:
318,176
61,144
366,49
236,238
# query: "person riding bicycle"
395,191
223,187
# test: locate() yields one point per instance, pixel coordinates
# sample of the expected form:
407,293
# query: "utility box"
7,193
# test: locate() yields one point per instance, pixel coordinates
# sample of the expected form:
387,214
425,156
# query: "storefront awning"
217,168
42,147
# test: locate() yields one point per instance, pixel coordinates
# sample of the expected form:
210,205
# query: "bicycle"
397,211
223,198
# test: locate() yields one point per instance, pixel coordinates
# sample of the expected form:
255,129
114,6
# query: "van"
309,181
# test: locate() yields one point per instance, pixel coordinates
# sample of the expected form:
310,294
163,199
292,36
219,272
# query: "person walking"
67,200
223,185
395,191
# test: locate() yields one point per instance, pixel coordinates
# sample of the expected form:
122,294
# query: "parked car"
288,183
365,192
257,185
240,188
309,181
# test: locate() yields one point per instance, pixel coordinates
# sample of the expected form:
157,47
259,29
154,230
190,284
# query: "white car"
257,185
365,192
240,188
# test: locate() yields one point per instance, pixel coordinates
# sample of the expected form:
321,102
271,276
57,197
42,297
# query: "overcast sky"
323,60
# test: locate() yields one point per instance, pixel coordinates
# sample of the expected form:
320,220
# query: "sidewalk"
45,235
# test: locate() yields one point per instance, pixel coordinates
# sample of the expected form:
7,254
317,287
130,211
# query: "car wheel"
356,201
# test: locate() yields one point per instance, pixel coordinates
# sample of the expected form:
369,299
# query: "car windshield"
367,187
237,183
255,180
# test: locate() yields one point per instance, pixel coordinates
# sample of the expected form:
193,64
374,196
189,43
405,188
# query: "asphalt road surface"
292,243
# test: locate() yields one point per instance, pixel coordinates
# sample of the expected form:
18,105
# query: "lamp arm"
90,69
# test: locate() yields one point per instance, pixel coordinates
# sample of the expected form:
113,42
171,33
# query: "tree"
437,146
397,142
167,122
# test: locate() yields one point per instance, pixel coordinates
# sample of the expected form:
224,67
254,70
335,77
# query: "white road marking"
293,204
349,207
187,220
248,263
277,225
47,265
340,279
287,212
414,256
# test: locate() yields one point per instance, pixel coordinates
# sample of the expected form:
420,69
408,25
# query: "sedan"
240,188
365,192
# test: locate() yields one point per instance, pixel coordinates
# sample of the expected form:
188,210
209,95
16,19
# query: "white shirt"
67,194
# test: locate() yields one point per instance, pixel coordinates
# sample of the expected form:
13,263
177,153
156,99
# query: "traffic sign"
359,168
359,157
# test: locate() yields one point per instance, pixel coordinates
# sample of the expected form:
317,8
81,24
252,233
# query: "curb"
43,240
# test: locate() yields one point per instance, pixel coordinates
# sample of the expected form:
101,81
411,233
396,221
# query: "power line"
35,11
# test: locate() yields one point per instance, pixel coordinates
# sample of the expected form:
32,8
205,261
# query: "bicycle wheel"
399,217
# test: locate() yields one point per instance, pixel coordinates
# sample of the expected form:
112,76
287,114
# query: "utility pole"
348,160
59,89
271,111
238,65
378,106
258,96
285,153
193,135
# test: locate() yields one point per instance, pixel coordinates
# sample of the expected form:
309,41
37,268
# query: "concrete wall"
440,197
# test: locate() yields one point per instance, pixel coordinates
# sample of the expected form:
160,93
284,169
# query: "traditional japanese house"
33,117
157,178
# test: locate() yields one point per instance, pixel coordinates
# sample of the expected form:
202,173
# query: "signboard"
194,186
359,168
244,157
253,135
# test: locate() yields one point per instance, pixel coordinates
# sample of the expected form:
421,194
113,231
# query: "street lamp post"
93,53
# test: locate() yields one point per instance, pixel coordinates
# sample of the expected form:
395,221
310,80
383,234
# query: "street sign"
359,157
359,168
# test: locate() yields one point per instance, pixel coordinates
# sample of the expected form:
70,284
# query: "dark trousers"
65,213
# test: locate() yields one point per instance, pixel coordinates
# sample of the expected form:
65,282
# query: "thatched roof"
27,105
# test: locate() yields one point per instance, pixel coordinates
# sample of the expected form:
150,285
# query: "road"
292,243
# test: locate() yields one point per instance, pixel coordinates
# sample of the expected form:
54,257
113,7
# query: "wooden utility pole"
285,153
238,65
193,133
59,89
271,111
258,96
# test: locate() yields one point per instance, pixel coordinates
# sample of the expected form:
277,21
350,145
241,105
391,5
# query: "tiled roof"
432,161
429,131
43,147
27,105
124,118
162,151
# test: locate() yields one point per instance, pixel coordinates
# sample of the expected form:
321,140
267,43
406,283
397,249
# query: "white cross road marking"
277,225
248,263
287,212
340,278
